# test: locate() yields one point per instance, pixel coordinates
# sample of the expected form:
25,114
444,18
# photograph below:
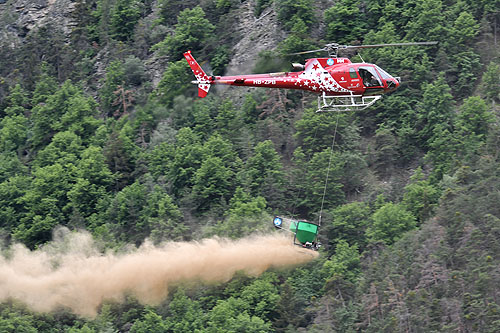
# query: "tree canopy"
101,130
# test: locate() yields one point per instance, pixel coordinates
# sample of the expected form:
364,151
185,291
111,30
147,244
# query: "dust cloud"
71,272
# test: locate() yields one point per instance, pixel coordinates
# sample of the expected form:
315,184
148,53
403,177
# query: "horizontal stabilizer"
203,89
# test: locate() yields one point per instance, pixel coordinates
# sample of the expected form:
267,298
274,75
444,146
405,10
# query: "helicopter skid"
345,102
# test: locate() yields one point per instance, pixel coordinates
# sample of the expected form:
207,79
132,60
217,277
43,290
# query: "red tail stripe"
196,68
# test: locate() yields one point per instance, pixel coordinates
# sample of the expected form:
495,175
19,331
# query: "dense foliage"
89,139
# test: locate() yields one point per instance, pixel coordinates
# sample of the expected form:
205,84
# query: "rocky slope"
22,17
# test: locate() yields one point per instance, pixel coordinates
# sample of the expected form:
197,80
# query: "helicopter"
340,84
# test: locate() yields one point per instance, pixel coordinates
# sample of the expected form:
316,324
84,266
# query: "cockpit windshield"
383,73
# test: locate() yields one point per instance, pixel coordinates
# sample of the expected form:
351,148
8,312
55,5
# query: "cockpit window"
352,73
369,76
383,73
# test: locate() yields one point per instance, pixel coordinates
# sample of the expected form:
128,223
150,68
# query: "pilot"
371,81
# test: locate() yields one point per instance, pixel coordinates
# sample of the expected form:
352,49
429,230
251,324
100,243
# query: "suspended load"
305,233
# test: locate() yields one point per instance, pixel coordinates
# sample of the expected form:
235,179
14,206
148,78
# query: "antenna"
359,54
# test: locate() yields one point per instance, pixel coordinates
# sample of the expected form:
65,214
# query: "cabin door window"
370,77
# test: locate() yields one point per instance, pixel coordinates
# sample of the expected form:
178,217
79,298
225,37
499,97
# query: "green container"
304,231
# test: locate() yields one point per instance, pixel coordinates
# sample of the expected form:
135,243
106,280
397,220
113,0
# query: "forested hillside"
101,130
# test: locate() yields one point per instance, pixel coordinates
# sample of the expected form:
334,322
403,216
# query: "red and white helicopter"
341,84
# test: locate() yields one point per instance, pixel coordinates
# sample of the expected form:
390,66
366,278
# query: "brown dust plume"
70,272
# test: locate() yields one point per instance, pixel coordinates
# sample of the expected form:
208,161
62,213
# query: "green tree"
184,314
13,132
202,114
344,264
464,29
307,283
392,12
223,6
115,76
435,109
137,212
170,9
270,61
84,329
249,109
313,179
245,215
346,21
45,117
289,312
428,21
224,310
464,72
46,203
315,131
67,109
134,71
243,322
489,84
217,146
471,129
124,16
181,161
420,197
451,148
228,123
14,182
10,166
17,101
385,154
94,180
162,217
213,183
262,296
121,155
354,172
191,33
474,118
298,41
442,151
151,322
242,204
99,25
13,319
46,85
231,315
349,223
263,173
220,60
124,213
65,148
389,223
92,166
175,81
290,11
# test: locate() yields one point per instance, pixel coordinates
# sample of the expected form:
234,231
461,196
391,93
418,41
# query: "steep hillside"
101,132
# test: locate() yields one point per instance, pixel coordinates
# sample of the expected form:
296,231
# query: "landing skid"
345,102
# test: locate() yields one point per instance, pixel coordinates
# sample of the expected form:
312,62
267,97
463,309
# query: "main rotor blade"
304,52
334,47
383,45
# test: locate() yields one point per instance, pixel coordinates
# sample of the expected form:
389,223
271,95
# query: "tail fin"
202,79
